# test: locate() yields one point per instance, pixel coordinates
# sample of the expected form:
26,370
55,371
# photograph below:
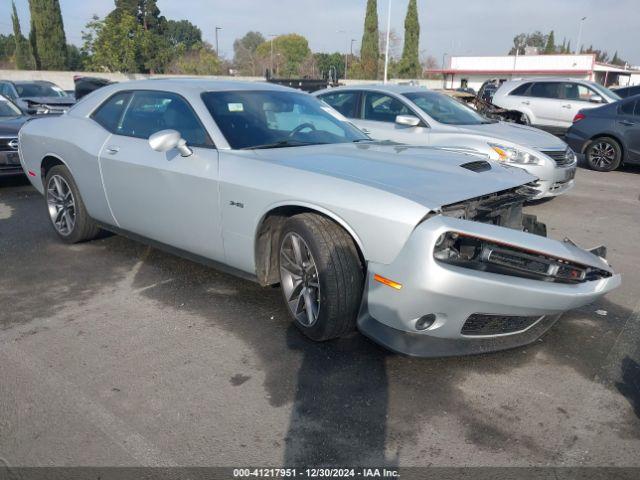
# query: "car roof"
379,87
196,85
33,82
547,79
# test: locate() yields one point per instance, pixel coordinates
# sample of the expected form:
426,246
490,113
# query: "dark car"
11,119
628,91
37,97
608,135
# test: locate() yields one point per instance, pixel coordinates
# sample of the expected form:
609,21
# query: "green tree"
23,58
369,51
202,60
536,39
47,35
326,62
75,59
550,47
409,66
182,32
245,59
289,53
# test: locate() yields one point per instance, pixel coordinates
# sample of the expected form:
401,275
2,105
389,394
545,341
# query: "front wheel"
604,154
321,276
66,209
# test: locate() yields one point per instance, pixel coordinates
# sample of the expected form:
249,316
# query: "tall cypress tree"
551,44
23,55
47,35
410,62
370,51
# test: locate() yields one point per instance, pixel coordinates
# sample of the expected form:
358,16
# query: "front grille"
8,145
562,158
480,324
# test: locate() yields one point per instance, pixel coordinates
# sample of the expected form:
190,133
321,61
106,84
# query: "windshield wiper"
282,144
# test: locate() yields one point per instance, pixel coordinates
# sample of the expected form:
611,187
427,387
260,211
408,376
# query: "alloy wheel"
299,278
62,205
602,155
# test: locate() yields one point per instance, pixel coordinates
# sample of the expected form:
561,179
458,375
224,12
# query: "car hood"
49,100
430,176
514,133
11,125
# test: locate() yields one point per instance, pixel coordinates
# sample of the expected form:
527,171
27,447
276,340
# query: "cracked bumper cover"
453,294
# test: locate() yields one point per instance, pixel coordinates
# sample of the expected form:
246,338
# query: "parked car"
549,103
426,250
37,97
416,116
11,119
609,135
85,85
625,92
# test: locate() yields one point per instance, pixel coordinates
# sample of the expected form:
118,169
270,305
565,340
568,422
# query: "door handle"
526,103
568,105
366,130
112,150
627,123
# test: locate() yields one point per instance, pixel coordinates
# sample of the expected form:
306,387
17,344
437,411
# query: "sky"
471,27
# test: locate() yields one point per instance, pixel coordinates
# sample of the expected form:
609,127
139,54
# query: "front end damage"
479,276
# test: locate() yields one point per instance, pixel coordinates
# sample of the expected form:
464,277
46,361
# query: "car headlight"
514,155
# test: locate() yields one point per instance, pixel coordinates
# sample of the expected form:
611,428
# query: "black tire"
339,270
597,160
84,228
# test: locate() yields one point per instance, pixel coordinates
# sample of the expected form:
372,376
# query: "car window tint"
110,112
383,108
545,90
344,102
576,91
628,108
150,112
522,90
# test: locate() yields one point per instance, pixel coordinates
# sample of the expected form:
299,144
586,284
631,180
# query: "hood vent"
478,166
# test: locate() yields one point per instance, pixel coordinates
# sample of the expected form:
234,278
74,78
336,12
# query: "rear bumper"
454,294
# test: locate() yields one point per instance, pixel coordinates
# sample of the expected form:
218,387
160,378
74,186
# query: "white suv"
551,103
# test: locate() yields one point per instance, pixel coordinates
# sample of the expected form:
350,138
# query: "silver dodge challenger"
426,251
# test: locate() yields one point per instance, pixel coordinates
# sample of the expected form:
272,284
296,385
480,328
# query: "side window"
578,92
522,90
344,102
546,90
150,111
383,108
110,112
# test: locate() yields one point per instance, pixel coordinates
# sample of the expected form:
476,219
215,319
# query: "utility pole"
444,75
578,45
217,49
271,36
386,49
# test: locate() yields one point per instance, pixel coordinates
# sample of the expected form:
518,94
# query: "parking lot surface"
114,353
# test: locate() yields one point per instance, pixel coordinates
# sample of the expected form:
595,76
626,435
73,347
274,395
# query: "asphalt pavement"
114,353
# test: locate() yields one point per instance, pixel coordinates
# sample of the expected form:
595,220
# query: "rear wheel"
66,209
604,154
321,276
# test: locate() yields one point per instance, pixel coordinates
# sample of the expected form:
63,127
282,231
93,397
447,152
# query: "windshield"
445,109
271,119
606,92
8,109
39,90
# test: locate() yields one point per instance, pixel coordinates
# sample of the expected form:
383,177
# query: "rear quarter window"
522,90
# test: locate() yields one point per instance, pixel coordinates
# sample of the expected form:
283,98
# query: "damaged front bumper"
506,294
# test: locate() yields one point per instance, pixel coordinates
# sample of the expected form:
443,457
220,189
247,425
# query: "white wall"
524,63
65,79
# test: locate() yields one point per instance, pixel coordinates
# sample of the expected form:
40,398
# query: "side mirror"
166,140
596,99
407,120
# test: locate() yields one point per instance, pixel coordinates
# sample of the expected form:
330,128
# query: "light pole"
386,48
444,75
346,53
578,45
217,49
272,36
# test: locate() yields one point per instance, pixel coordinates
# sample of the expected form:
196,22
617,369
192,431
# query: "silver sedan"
426,251
416,116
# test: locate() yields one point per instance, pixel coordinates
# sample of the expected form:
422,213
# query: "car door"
628,124
378,119
164,196
576,97
545,103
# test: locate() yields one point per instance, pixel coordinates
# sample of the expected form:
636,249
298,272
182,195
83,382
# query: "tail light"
578,117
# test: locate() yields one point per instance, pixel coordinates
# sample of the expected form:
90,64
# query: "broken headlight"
480,254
